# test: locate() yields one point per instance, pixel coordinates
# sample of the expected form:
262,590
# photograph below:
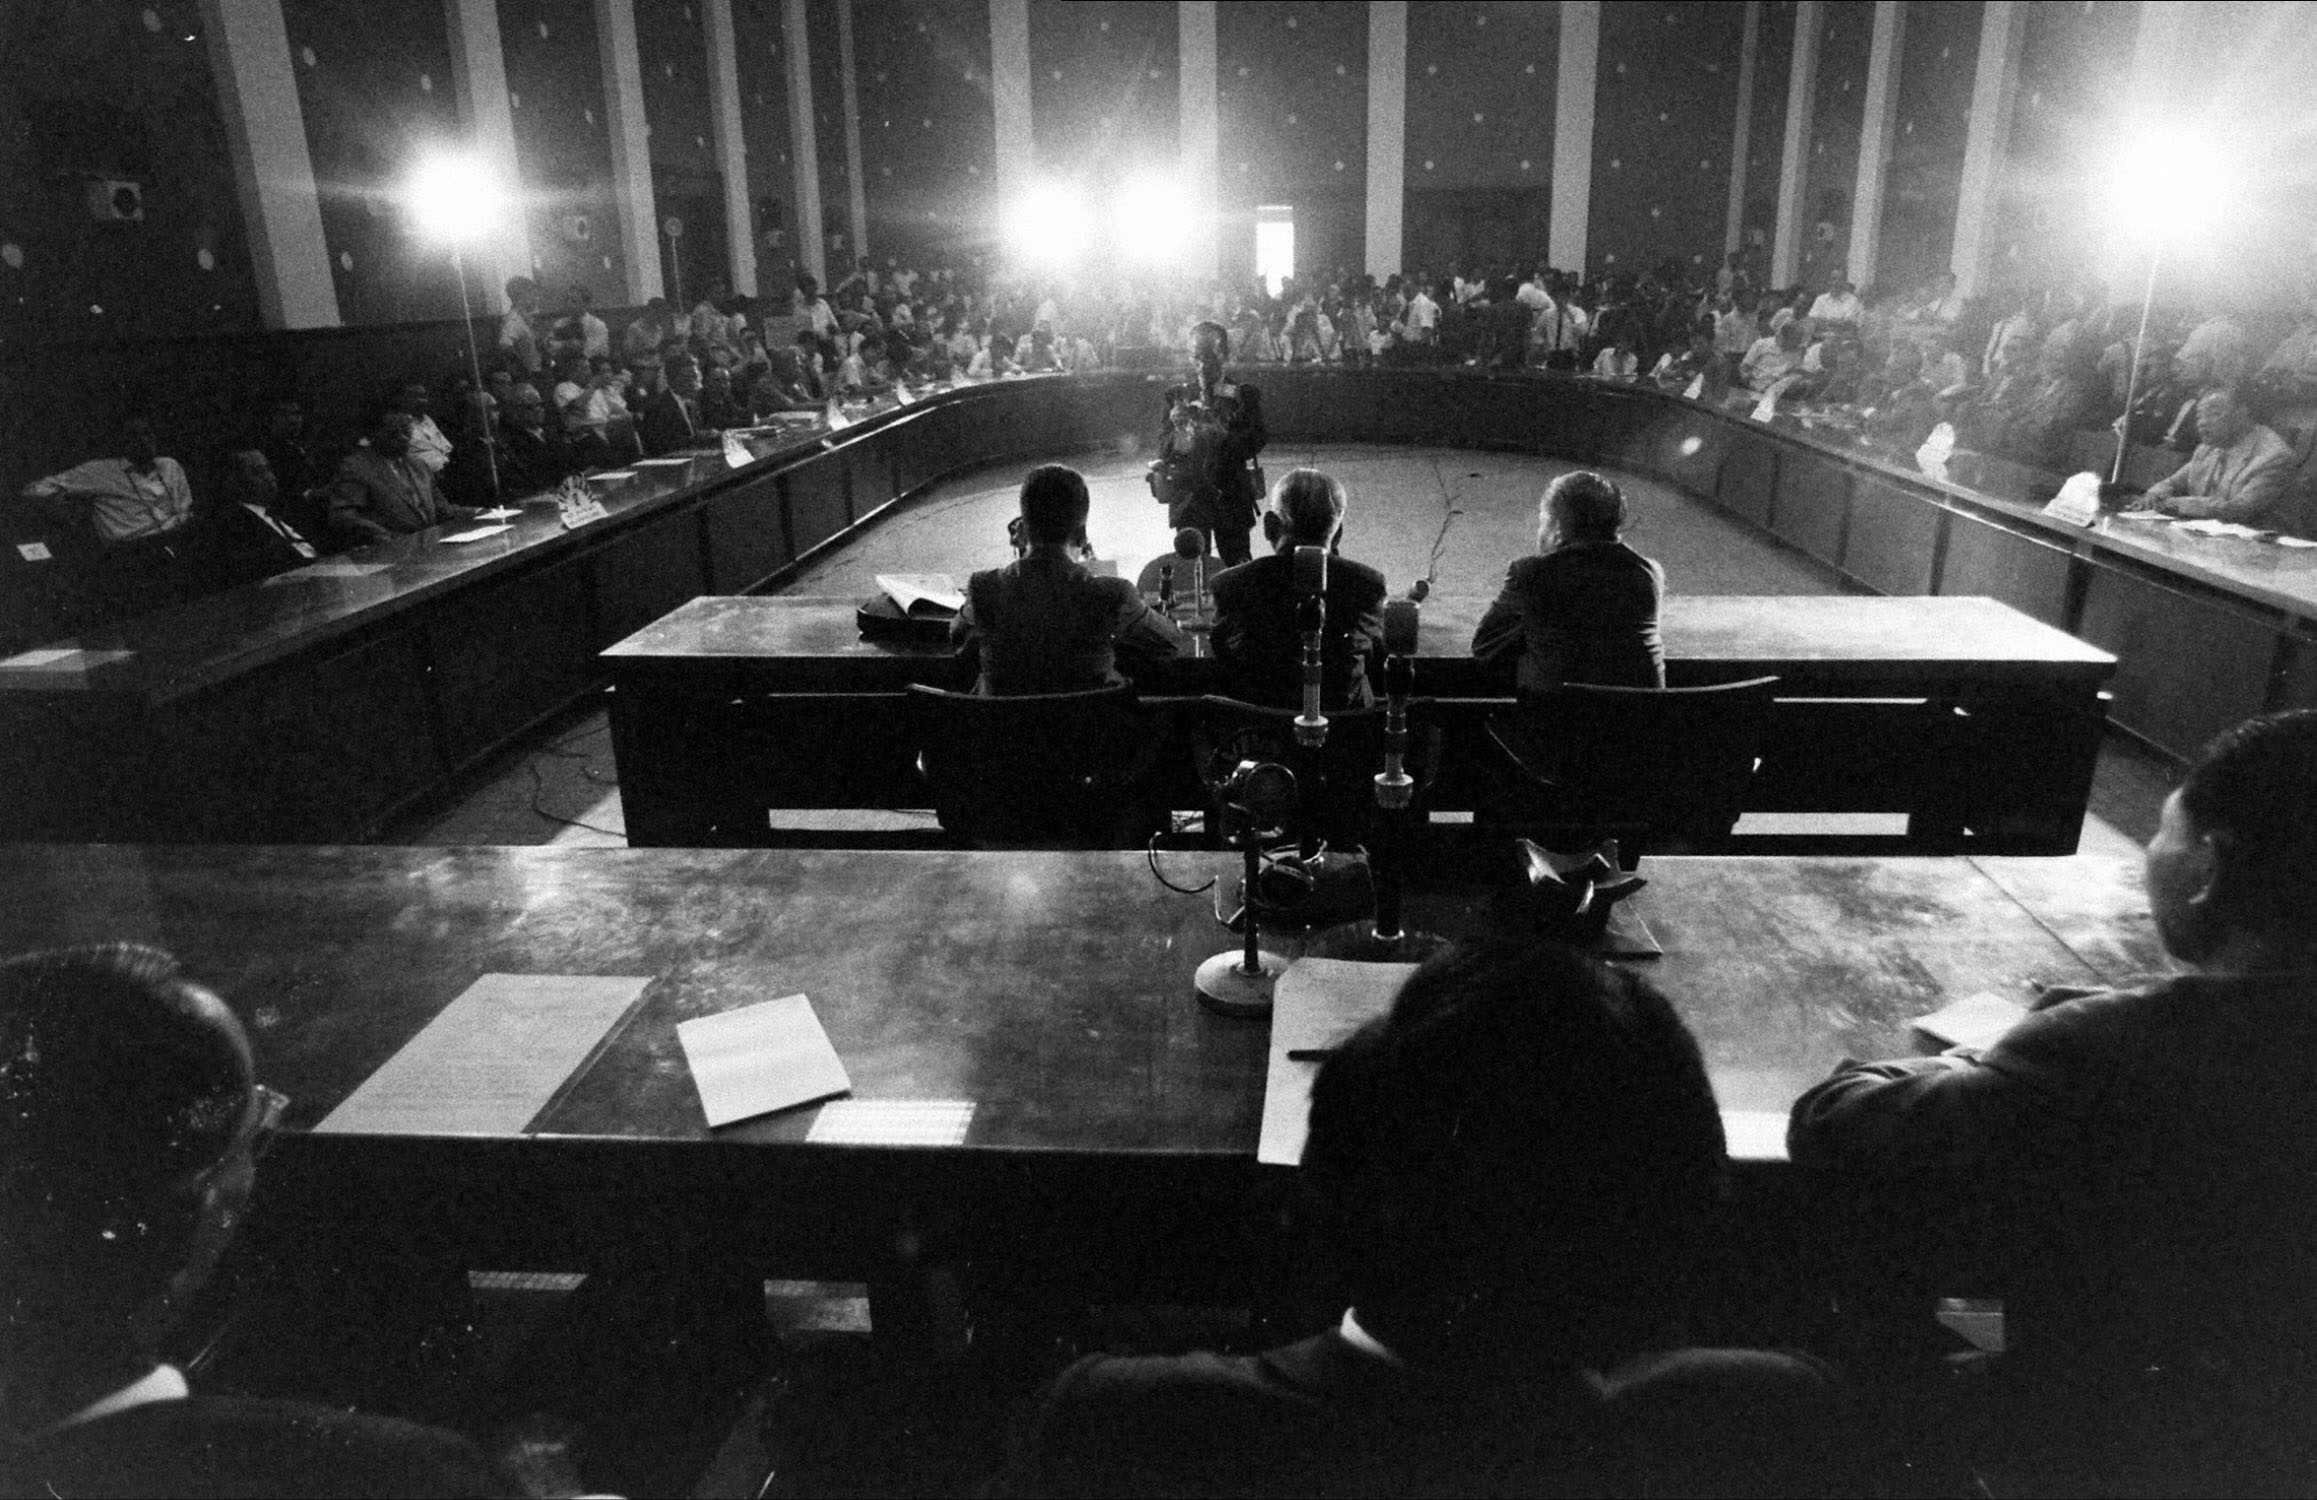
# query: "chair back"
1039,771
1667,763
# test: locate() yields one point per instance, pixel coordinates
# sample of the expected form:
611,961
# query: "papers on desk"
662,463
1316,1004
477,534
2295,541
611,476
736,454
1978,1021
498,513
491,1061
316,572
761,1058
47,658
923,594
2210,527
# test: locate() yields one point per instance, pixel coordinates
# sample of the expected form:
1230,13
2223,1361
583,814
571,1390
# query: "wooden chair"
1039,771
1658,766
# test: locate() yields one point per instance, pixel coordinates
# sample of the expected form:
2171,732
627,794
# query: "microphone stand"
1241,983
1311,724
1395,790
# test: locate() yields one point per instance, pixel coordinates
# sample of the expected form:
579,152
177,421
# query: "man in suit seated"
383,491
2129,1168
1044,623
131,1126
670,419
1514,1170
533,457
249,538
1256,634
2241,471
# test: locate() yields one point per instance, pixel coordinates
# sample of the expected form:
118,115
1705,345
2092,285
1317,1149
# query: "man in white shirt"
517,334
1837,309
1532,294
1421,322
138,497
427,443
814,308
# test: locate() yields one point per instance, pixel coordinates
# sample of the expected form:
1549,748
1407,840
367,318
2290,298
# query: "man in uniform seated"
1044,624
2241,471
130,1123
2130,1169
383,490
1514,1170
1256,632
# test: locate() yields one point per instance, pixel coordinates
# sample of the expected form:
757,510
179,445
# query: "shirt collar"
1350,1331
161,1383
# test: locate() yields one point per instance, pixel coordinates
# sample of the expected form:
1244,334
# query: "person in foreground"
130,1123
1256,634
1045,623
1515,1170
2131,1169
1585,608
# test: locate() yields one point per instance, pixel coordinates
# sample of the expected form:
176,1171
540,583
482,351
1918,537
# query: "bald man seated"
2240,472
130,1124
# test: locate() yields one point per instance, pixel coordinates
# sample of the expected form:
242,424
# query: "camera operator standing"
1206,472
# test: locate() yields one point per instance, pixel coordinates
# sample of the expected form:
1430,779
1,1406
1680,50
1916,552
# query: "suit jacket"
1225,495
667,424
243,549
1047,625
375,498
532,463
1325,1418
1257,640
1585,613
230,1446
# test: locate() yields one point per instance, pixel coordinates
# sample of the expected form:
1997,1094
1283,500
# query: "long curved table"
320,705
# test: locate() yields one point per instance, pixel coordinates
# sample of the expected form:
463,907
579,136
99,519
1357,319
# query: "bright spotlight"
1048,225
2166,184
454,198
1151,221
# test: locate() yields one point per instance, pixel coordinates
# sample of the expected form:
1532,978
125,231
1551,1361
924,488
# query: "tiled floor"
1456,515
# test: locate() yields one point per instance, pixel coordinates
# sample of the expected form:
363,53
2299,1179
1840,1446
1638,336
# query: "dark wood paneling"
503,658
1893,540
816,501
1813,504
2296,685
2186,669
650,571
747,538
1749,478
1996,562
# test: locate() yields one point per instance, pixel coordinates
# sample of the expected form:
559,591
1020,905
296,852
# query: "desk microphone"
1191,547
1311,621
1419,591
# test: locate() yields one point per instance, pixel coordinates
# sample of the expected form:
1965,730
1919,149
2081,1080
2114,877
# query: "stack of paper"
761,1058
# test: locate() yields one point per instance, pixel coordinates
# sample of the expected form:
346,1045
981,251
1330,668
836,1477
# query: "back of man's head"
2253,792
1055,503
1528,1140
124,1087
1584,507
1310,506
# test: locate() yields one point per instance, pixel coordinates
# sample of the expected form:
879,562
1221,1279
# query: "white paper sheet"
46,657
1317,1003
491,1060
476,535
1974,1021
1754,1134
2295,541
498,513
610,475
761,1058
661,463
320,571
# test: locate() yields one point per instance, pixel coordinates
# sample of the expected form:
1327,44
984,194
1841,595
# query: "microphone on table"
1311,621
1395,787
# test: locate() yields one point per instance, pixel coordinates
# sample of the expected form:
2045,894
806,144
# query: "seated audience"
2130,1167
670,419
428,444
1773,357
2241,471
300,474
1044,623
1514,1172
1699,372
249,538
1837,310
138,510
533,457
1257,636
472,477
1617,359
519,330
382,490
1585,609
2034,424
720,406
128,1154
779,386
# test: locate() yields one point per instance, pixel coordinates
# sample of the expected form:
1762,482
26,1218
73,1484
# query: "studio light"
454,198
1151,222
2166,187
1049,225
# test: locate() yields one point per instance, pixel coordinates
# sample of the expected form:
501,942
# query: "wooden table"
1979,723
1046,995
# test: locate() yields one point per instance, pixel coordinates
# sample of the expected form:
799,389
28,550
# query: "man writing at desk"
2132,1169
2238,473
1045,624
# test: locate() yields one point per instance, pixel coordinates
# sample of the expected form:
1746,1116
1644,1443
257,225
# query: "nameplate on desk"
1317,1003
492,1060
2078,502
576,516
33,551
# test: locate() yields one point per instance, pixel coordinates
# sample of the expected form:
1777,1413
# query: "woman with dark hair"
1585,608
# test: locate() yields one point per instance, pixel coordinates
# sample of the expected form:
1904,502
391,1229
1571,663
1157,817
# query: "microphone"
1311,621
1419,591
1310,572
1400,623
1191,547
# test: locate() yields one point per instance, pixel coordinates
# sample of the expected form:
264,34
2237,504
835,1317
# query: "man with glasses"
130,1127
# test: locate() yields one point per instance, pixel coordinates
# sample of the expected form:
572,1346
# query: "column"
479,84
1199,134
631,154
1794,161
1874,140
1994,90
804,144
2160,47
1010,99
1387,134
273,177
1573,94
857,196
1742,132
730,144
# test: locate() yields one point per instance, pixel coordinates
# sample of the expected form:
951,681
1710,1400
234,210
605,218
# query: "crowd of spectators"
2020,379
